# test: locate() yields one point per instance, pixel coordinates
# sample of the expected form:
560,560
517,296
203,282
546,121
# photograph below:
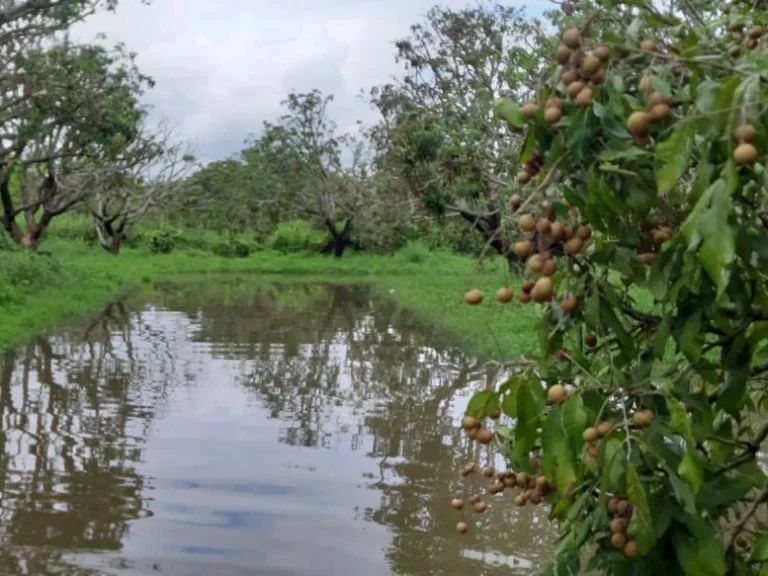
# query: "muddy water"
236,428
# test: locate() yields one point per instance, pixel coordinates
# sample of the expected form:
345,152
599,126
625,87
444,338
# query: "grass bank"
70,279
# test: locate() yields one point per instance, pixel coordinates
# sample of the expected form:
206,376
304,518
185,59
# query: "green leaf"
760,549
508,110
700,555
641,524
691,339
631,152
674,153
525,428
574,422
691,470
678,418
482,403
614,465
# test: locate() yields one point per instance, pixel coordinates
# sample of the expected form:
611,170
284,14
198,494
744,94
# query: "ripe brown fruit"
660,236
656,98
504,295
468,468
557,394
613,506
648,45
549,268
745,133
568,304
583,232
472,434
742,542
552,114
563,54
569,77
591,434
521,499
574,88
618,525
528,286
461,527
572,38
522,479
510,481
557,231
473,297
523,249
591,64
648,258
603,53
568,232
523,177
553,102
536,263
525,297
496,414
541,484
583,98
734,51
488,471
535,497
643,417
470,423
590,340
618,540
625,507
735,26
592,450
496,487
457,503
750,44
480,507
604,428
745,154
543,226
631,549
484,436
638,123
529,110
543,290
474,498
573,246
598,77
526,222
660,112
755,32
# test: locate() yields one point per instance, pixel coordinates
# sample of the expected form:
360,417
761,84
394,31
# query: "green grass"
71,279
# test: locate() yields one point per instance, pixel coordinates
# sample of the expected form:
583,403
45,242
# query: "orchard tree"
149,177
73,113
301,164
639,424
436,127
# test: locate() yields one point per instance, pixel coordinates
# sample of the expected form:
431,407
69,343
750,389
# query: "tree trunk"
339,241
114,245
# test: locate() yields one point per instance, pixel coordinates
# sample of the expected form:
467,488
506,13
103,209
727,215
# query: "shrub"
233,248
163,242
414,252
297,236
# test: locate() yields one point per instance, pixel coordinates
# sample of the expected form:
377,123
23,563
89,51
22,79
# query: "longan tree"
640,422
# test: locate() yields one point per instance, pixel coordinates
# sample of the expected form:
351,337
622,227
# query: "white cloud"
223,67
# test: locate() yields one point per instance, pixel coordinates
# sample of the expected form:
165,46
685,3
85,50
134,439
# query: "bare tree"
153,175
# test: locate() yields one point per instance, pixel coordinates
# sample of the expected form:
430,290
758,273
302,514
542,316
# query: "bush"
414,252
74,227
233,248
163,242
297,236
23,272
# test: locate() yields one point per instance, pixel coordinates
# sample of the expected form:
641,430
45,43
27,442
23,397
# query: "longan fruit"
536,263
529,110
745,133
526,222
624,507
480,507
563,54
484,436
591,434
604,428
572,38
523,177
527,286
543,226
648,45
457,503
603,53
750,44
618,540
745,153
573,246
568,304
583,232
552,114
523,249
660,111
557,231
755,32
643,417
461,527
638,123
468,422
592,450
525,297
648,258
488,471
583,98
556,394
473,297
553,102
504,295
591,64
574,88
543,290
631,549
549,268
618,525
522,479
468,468
660,236
569,77
613,506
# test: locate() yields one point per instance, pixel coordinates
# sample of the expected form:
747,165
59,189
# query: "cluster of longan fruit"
533,488
621,510
581,71
657,109
749,39
475,429
533,166
593,434
745,151
653,236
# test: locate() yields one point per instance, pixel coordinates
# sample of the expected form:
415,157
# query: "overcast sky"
223,66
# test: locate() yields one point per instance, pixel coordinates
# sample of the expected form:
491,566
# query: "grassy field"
69,279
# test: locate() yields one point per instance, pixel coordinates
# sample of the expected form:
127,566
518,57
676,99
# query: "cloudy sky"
223,66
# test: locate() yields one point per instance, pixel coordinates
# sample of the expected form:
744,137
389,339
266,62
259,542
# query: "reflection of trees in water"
340,364
73,418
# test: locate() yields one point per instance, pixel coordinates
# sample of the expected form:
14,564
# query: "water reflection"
238,428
